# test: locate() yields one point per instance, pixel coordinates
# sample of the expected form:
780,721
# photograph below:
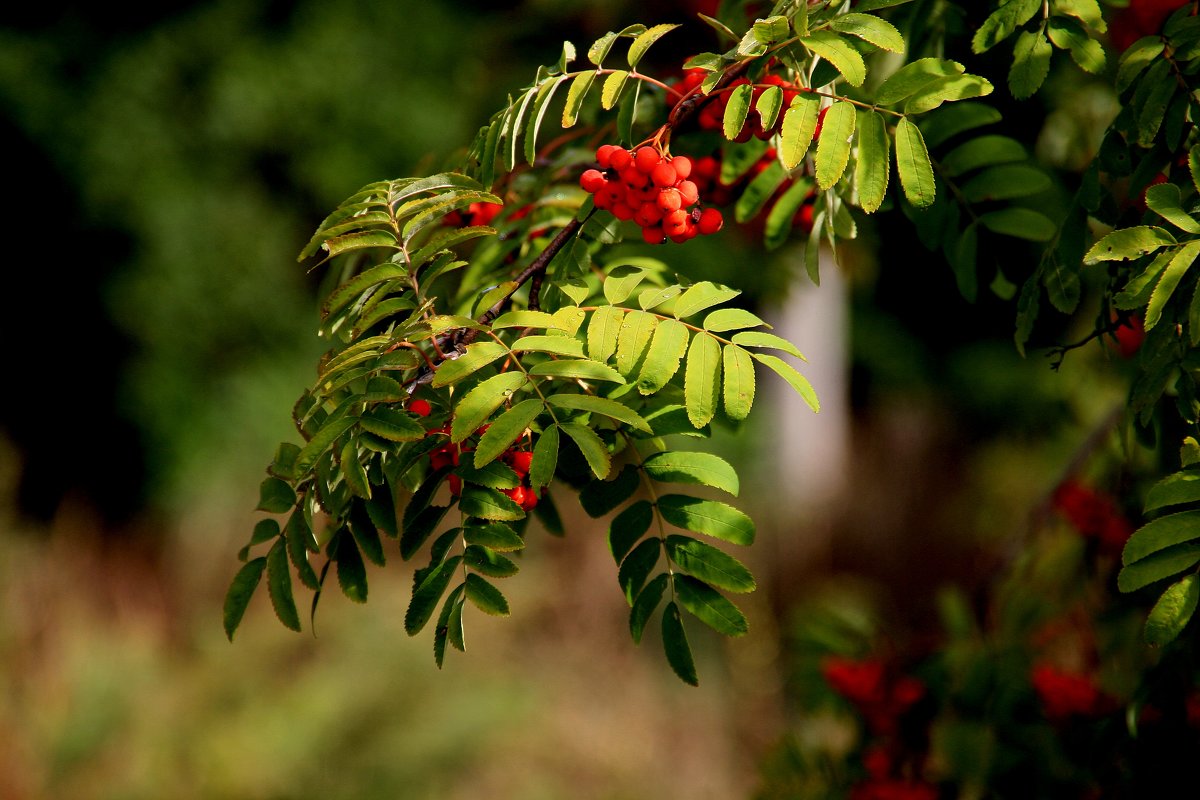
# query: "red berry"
820,122
683,167
648,214
420,407
620,159
646,159
688,192
633,177
653,235
604,154
530,501
669,200
592,180
622,211
517,495
521,462
455,485
664,175
710,221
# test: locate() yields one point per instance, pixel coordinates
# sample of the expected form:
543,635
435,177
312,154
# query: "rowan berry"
592,181
646,159
664,175
710,221
604,154
620,159
521,462
420,407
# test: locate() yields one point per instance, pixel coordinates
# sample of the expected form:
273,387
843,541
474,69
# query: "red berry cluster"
475,214
712,114
1068,694
652,189
1093,514
881,698
706,174
449,454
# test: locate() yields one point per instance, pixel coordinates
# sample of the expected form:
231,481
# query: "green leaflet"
580,369
1127,243
739,382
1002,22
833,146
636,568
489,504
710,517
769,104
663,356
359,241
634,340
962,254
870,28
600,497
1136,293
351,571
643,608
1085,51
799,124
477,356
710,606
709,564
599,405
675,644
1173,611
913,165
506,429
681,466
275,496
628,527
239,594
1154,106
1022,223
479,403
323,439
545,458
610,93
1140,55
558,345
1180,264
594,450
449,625
643,42
392,424
494,536
653,297
487,562
702,380
525,319
426,595
874,163
534,124
1162,564
982,151
794,378
1005,182
621,281
603,330
760,190
575,96
913,77
944,90
1182,487
1031,64
700,296
1166,201
1167,531
279,586
494,474
837,51
353,288
761,339
299,542
728,319
736,110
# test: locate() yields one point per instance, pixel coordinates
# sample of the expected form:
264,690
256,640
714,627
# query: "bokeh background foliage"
163,174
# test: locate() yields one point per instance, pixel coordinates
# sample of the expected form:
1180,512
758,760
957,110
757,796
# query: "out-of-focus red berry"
420,407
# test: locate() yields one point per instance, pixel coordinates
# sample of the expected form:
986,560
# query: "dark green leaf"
1162,564
351,572
1182,487
488,562
1023,223
275,496
709,564
354,472
279,586
1085,51
593,448
1165,531
240,592
982,151
599,497
628,527
485,503
486,597
506,429
545,458
426,595
419,528
675,643
451,617
1140,55
1181,262
1005,183
637,566
710,606
709,517
494,536
392,424
1031,64
367,536
300,542
1173,611
647,600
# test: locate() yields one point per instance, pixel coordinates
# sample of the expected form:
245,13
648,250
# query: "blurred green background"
162,175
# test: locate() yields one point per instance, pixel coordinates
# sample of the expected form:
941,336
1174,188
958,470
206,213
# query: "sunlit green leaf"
477,356
681,466
794,378
702,380
837,51
663,356
1031,64
913,165
599,405
799,124
506,429
1181,262
1127,243
738,394
870,28
1173,611
593,448
710,606
479,403
709,564
710,517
